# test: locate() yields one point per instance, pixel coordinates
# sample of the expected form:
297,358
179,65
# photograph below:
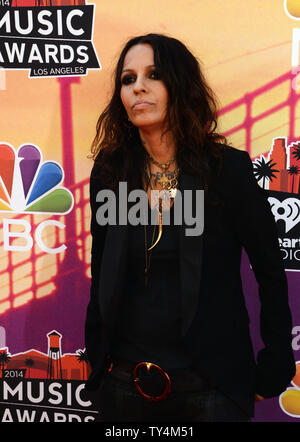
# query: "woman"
160,295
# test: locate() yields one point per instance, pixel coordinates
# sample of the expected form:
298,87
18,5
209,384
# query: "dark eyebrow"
130,70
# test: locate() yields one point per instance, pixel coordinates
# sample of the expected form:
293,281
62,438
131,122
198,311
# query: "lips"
141,105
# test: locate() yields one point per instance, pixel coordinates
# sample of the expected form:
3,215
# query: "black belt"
154,383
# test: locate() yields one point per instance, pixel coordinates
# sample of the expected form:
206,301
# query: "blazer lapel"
114,262
190,257
113,269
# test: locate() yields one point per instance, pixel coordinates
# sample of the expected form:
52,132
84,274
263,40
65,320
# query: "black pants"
119,401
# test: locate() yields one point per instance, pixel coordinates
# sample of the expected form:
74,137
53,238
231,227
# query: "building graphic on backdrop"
45,387
54,364
279,173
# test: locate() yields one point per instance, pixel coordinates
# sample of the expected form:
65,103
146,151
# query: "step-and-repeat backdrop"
56,61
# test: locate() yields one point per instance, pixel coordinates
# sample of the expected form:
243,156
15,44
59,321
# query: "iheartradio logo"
287,210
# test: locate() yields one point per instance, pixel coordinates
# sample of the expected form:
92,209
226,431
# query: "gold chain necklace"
171,186
168,180
163,166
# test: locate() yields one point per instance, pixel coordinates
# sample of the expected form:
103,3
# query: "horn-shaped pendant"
159,224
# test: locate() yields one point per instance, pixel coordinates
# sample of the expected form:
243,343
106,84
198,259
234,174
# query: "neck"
161,147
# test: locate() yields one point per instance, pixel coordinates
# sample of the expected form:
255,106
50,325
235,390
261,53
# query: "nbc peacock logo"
30,185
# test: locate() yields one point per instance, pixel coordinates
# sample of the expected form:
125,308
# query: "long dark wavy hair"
191,116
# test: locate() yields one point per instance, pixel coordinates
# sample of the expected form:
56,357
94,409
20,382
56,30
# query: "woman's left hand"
258,398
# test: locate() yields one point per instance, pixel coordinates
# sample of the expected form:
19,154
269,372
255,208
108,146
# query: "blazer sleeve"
93,324
258,234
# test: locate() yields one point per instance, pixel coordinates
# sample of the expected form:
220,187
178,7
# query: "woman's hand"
258,398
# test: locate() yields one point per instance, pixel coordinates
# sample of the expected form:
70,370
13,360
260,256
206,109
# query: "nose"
139,85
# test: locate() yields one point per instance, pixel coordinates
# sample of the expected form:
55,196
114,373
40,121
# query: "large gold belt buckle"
136,379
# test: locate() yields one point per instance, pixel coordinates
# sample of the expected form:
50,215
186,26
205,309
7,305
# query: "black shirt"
148,328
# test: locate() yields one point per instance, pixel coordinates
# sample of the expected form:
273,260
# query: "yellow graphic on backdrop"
292,8
289,400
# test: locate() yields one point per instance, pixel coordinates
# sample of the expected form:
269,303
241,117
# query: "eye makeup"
129,78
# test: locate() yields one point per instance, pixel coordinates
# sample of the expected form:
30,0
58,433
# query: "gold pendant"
159,224
159,230
166,179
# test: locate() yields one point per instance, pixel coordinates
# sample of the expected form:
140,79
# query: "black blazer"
215,321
